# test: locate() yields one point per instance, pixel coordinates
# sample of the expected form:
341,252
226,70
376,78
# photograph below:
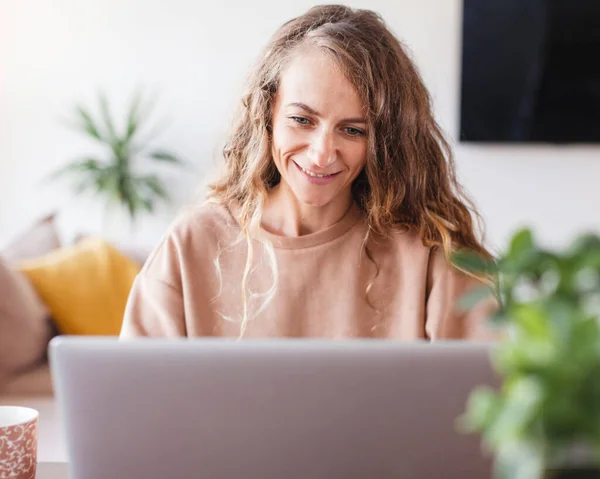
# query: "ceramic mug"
18,442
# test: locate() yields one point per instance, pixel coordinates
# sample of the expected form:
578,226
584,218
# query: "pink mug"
18,442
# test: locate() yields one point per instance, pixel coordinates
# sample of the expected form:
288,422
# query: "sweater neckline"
323,236
344,224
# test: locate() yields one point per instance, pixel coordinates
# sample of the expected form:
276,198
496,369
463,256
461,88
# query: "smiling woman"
319,145
338,208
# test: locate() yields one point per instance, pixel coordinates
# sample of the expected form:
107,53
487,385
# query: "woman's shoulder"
209,221
196,233
413,255
405,243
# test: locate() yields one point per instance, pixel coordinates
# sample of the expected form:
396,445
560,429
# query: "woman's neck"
284,215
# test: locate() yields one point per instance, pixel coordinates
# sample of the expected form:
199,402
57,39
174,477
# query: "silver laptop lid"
273,409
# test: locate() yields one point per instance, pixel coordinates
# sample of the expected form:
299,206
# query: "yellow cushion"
85,286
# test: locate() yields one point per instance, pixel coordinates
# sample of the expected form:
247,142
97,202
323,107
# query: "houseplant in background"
121,176
544,422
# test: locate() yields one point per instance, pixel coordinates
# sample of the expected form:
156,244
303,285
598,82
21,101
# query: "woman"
337,210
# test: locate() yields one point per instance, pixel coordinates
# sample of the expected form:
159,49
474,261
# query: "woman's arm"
446,285
172,295
154,308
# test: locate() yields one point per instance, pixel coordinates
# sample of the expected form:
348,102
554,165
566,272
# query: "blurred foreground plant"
547,414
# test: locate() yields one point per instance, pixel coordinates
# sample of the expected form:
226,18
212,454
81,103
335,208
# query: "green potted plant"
544,422
122,176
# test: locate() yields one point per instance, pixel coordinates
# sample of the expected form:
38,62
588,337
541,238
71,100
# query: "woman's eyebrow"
314,112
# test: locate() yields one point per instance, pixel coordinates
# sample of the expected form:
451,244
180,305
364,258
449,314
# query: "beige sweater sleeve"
444,319
155,306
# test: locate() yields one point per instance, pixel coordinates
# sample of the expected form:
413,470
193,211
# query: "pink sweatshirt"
320,289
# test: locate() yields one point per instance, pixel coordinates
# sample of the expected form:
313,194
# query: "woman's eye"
301,120
354,131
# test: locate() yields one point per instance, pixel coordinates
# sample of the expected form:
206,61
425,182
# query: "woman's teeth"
315,175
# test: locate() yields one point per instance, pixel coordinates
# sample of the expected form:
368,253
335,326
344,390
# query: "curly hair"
409,179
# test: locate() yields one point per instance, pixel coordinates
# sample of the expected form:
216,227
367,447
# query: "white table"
51,470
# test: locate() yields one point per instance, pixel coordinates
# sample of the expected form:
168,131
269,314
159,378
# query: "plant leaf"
473,263
499,318
110,127
471,299
162,155
133,121
88,124
155,186
520,407
521,242
532,319
106,181
482,407
518,460
129,195
147,204
584,243
82,166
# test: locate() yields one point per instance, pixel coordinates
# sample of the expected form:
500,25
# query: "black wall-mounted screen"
530,71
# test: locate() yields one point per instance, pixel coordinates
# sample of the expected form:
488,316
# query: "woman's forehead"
312,77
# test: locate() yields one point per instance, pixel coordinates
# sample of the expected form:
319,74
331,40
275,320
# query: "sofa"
42,295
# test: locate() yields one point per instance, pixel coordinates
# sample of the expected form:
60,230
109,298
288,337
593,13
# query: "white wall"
195,55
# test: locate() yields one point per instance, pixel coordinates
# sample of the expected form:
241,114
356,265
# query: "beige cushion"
33,382
25,328
40,238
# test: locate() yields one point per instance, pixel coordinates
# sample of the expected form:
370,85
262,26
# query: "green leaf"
133,122
134,195
518,460
471,299
155,186
519,409
129,197
106,116
473,263
499,318
105,183
533,320
88,123
165,156
78,167
131,207
482,408
521,242
589,259
560,318
515,361
147,204
84,185
585,243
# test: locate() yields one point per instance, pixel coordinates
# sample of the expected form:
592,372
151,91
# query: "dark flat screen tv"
530,71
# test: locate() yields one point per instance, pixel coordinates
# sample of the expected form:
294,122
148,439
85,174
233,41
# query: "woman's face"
319,130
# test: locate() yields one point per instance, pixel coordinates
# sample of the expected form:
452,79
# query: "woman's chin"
316,203
315,199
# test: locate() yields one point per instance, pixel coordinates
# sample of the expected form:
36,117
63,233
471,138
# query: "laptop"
268,409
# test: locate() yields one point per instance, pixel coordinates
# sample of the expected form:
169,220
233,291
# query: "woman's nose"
322,152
